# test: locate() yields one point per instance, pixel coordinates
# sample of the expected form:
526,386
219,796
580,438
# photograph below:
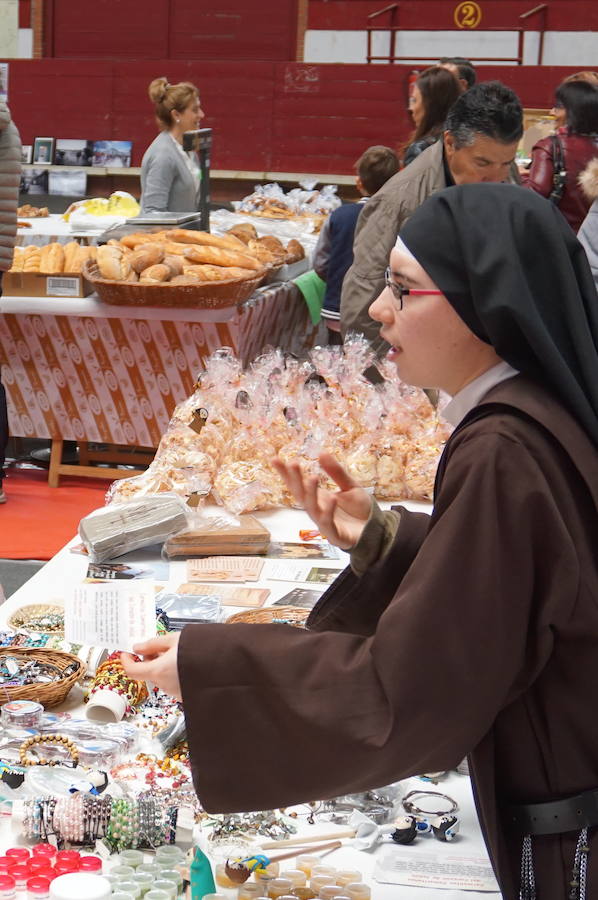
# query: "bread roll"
295,251
245,232
205,239
218,273
175,263
185,279
71,254
132,241
83,254
273,244
52,259
113,263
146,255
156,273
262,253
216,256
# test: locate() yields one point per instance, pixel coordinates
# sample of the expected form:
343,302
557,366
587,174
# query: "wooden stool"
139,457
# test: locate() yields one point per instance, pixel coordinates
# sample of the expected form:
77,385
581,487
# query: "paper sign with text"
114,615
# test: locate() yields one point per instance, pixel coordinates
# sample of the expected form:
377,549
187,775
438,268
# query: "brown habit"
476,634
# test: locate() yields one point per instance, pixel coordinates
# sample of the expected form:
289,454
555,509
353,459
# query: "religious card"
319,575
301,550
301,597
228,594
225,568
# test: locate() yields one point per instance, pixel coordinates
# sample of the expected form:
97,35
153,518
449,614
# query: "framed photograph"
34,181
26,154
112,153
68,183
43,151
73,152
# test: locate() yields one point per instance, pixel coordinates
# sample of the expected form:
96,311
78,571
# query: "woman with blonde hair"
169,175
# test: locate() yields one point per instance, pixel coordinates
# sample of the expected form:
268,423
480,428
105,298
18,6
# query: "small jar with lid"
169,887
295,876
79,885
220,877
21,854
120,895
169,853
213,897
68,856
330,891
321,869
44,849
8,887
157,895
318,881
173,875
91,864
249,891
347,876
144,880
133,858
278,887
21,714
20,873
38,888
129,887
306,863
357,890
265,876
150,868
304,893
7,863
121,872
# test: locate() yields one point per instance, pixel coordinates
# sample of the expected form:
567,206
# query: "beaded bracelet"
37,739
111,676
414,810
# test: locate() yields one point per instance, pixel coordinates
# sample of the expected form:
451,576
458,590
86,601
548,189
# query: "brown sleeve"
376,539
541,170
324,714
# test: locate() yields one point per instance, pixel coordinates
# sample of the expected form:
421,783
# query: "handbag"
559,178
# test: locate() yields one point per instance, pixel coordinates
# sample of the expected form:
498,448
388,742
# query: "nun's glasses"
398,291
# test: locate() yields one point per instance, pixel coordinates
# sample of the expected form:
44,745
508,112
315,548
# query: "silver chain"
527,890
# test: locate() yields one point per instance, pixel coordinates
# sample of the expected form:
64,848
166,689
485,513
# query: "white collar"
472,393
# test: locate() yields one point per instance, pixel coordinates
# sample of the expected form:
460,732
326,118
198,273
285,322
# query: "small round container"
278,887
106,706
144,881
38,863
306,863
249,891
220,877
169,887
68,856
357,890
122,872
19,853
133,858
169,852
120,895
296,877
22,714
347,876
330,891
129,887
91,864
323,870
20,874
304,893
173,875
7,863
38,888
267,875
150,868
318,881
80,886
99,754
213,897
7,887
157,895
44,850
66,866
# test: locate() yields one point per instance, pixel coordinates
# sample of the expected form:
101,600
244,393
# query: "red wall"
171,29
266,116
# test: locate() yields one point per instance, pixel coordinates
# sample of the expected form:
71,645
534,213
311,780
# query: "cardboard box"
36,284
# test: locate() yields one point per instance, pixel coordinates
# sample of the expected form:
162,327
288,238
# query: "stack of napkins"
119,528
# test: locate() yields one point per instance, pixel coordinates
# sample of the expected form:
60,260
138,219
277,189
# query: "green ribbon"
202,880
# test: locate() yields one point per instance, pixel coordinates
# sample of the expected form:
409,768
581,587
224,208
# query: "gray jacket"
588,233
378,225
167,185
10,178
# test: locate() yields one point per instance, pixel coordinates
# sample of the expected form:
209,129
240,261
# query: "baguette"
185,279
51,259
154,274
146,255
204,238
132,241
175,263
245,232
31,259
218,273
71,254
216,256
113,263
18,260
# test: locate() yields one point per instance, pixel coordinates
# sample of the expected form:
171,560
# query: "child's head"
374,168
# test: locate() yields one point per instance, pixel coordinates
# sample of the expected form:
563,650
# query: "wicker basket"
203,295
289,615
47,694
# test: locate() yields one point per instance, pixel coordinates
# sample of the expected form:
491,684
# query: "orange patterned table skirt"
84,371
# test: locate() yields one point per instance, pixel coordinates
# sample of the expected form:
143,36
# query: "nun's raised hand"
158,664
340,515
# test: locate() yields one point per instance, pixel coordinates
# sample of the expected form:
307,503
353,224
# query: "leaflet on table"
301,597
115,615
290,571
301,550
435,870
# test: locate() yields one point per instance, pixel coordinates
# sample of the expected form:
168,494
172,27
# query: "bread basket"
287,615
203,295
47,694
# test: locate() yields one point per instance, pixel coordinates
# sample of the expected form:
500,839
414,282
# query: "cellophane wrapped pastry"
221,440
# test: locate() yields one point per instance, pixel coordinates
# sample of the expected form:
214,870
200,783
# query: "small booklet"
287,570
114,614
301,550
228,594
301,597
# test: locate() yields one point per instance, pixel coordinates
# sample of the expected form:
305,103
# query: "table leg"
55,460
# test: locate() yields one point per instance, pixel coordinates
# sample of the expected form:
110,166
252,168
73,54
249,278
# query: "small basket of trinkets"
272,615
45,676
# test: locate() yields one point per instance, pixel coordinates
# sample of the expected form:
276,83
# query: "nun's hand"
158,665
340,515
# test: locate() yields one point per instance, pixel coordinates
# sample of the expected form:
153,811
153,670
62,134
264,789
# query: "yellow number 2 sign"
468,15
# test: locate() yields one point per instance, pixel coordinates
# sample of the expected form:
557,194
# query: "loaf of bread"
51,259
18,260
113,263
83,254
245,232
204,238
294,251
175,263
71,254
31,259
185,279
218,273
132,241
273,244
146,255
216,256
154,274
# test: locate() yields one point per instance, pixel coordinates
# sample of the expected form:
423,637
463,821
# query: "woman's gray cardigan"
10,178
167,185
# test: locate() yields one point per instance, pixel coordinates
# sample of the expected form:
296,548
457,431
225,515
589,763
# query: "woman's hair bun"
158,89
